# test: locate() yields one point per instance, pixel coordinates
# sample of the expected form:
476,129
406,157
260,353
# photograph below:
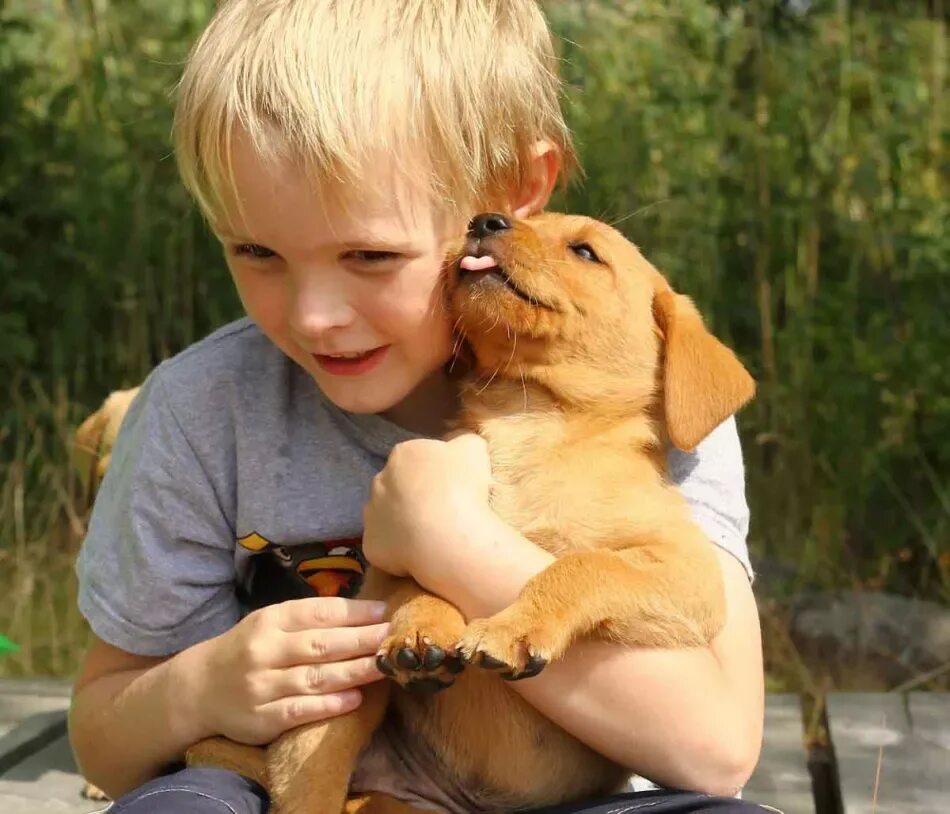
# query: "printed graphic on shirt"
277,572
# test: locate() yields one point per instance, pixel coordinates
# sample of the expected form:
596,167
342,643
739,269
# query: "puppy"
587,366
94,438
91,453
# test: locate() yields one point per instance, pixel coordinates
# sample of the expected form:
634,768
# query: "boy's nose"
316,308
488,224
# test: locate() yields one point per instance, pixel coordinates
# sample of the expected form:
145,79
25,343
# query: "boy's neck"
429,409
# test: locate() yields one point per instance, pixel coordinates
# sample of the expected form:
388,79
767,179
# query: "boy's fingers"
331,644
320,679
472,448
288,713
325,612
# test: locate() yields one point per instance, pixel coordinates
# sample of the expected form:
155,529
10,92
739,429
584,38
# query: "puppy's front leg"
654,594
420,652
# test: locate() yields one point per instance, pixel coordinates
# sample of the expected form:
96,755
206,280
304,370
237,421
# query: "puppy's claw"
509,648
534,666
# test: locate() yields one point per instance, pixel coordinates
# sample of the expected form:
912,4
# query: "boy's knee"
195,791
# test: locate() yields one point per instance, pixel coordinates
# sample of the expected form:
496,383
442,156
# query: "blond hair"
339,84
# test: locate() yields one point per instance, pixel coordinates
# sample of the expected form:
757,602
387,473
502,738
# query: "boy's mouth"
352,363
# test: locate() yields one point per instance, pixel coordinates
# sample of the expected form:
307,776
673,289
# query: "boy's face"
349,293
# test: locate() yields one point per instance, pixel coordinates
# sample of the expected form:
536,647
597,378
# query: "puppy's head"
568,303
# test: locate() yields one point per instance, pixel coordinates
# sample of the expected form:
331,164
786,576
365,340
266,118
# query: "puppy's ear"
92,443
703,381
86,444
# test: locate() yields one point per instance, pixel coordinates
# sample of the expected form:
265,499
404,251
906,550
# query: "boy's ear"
703,381
543,172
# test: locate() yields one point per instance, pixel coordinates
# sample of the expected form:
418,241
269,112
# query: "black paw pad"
384,665
434,657
454,665
407,659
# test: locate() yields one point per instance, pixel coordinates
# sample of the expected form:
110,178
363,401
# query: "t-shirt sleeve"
712,479
156,570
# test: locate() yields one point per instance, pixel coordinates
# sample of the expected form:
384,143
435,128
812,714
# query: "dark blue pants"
216,791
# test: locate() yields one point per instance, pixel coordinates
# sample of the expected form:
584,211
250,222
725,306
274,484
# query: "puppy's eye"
585,252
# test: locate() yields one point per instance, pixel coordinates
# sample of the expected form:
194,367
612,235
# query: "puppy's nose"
488,224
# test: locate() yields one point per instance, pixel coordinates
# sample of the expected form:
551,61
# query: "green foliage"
788,170
784,161
104,267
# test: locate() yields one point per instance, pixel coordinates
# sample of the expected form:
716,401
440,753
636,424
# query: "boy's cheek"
262,300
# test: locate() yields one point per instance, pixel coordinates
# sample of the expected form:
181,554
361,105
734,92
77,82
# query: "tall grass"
42,521
787,169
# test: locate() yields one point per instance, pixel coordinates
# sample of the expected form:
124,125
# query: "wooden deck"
890,755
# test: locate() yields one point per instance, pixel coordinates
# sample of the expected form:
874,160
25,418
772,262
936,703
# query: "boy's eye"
585,252
253,250
372,255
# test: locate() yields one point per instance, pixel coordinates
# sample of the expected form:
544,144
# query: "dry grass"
42,521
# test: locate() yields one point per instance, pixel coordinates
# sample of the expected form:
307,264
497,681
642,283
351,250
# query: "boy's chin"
369,403
371,396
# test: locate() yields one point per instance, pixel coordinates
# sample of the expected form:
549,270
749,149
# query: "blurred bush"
784,161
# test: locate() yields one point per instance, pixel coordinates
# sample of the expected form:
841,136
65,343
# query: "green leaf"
6,646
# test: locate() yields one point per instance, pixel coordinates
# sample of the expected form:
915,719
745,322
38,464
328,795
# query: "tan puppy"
586,365
93,441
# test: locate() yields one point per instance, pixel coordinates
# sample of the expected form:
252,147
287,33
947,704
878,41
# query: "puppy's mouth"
480,268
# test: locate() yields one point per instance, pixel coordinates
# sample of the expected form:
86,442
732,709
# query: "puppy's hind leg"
221,753
309,768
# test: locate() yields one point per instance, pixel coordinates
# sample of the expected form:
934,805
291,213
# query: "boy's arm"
130,716
280,667
683,718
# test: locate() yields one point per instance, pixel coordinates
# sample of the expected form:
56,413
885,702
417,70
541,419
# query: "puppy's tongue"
470,263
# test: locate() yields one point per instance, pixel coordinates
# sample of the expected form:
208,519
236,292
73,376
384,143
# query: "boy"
338,149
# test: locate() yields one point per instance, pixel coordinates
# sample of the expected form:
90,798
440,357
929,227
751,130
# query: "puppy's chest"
567,494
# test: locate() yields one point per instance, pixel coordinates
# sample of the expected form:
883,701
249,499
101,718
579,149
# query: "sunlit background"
785,163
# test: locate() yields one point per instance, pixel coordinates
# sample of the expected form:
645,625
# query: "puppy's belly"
478,747
400,766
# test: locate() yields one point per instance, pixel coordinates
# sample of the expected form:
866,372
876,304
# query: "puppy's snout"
488,224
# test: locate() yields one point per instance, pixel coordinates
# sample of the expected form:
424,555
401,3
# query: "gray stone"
884,766
781,779
889,638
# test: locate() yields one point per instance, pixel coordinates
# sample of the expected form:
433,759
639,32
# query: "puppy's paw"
91,792
422,660
508,645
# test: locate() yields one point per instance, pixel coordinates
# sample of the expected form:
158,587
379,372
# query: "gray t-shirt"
230,450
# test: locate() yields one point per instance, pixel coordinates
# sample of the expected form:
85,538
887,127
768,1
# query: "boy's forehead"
279,195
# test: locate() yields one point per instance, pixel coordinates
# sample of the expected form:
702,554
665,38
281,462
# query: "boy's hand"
288,664
427,490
